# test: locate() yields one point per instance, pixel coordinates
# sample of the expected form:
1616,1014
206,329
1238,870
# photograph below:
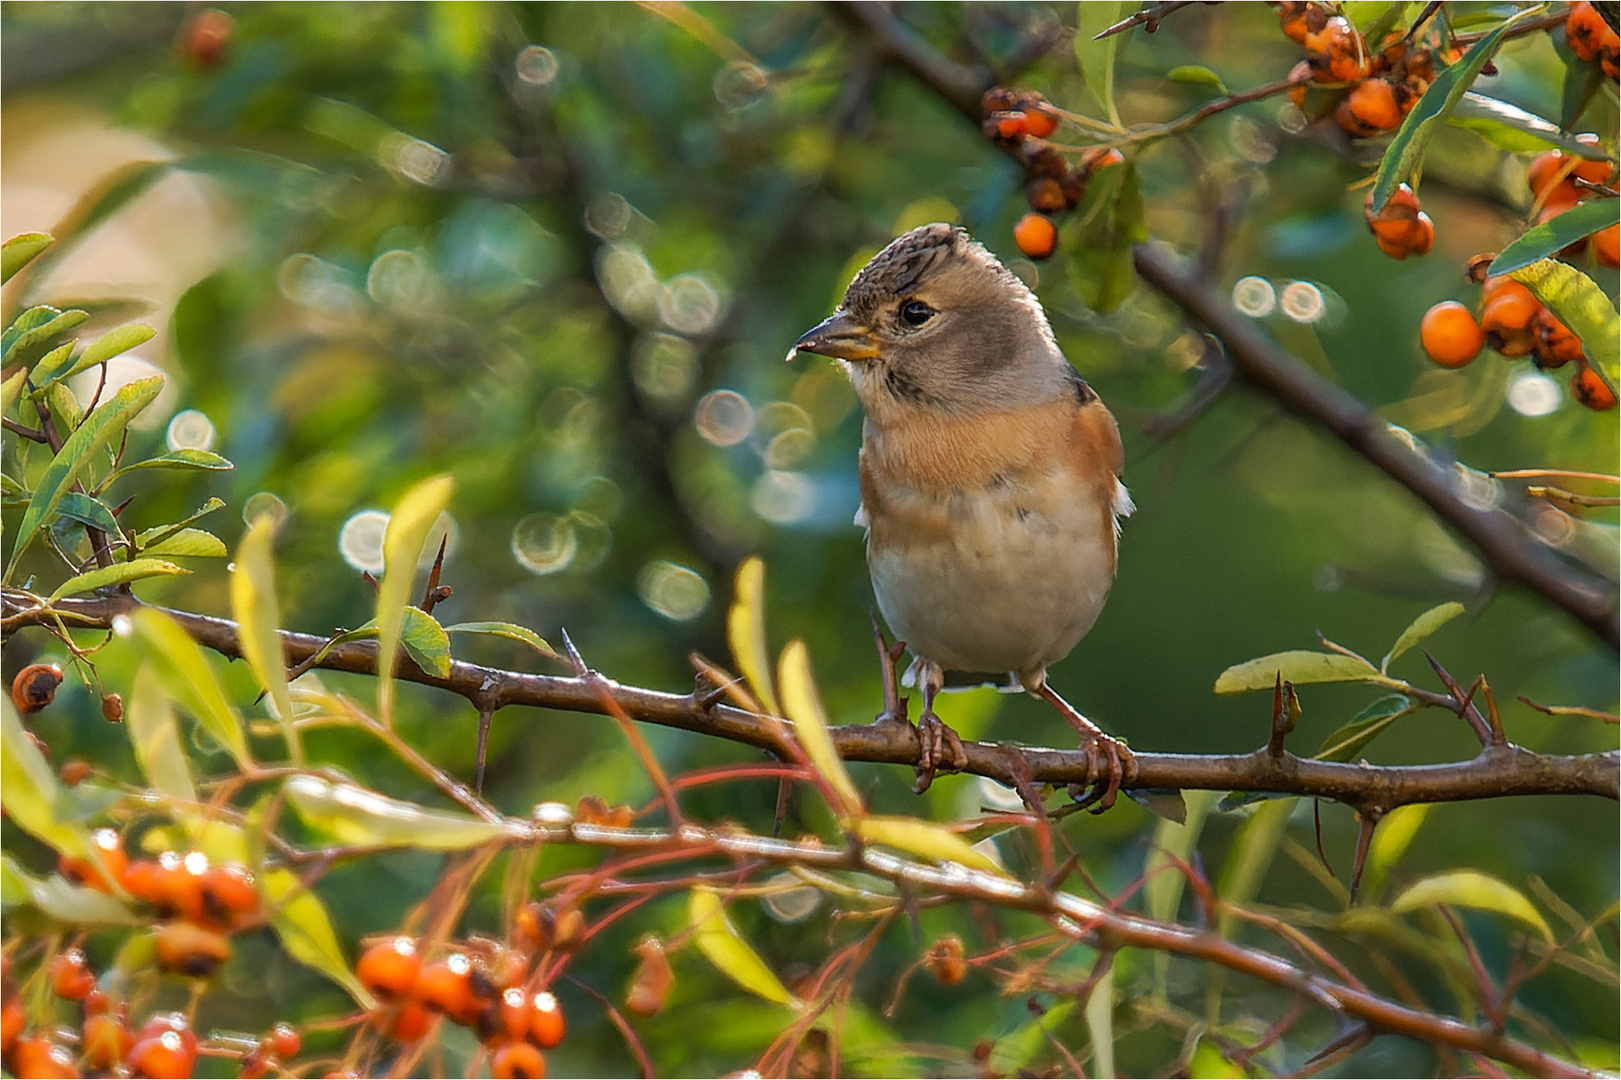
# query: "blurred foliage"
558,251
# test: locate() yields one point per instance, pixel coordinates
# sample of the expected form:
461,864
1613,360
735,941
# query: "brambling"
990,480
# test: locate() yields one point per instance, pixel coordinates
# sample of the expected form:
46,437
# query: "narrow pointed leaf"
11,390
189,679
1100,1025
29,789
63,901
1552,236
745,632
306,933
1421,628
924,839
1511,128
1581,305
19,251
402,546
719,941
177,459
113,343
51,367
1096,58
506,630
804,707
1351,739
116,574
358,817
1298,666
1473,889
154,735
258,617
98,429
151,537
23,346
189,544
1200,76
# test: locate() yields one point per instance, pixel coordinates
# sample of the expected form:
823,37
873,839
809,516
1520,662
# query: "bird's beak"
841,337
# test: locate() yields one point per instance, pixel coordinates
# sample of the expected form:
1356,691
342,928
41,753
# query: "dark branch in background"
1498,771
1513,551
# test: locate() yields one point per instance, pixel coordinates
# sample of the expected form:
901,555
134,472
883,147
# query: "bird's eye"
916,312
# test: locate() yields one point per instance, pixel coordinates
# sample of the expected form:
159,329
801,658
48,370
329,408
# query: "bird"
990,479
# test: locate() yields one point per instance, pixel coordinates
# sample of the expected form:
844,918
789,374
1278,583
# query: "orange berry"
1594,171
1102,159
37,1056
70,975
35,687
1607,246
106,1041
74,772
1294,17
112,709
410,1022
164,1047
447,986
945,960
185,948
1589,389
390,967
1544,174
1450,334
1585,29
1297,92
545,1020
1045,194
1041,120
1555,346
1423,237
518,1059
143,879
1010,125
1036,236
514,1010
1509,307
1373,103
12,1022
204,38
285,1040
1337,37
229,895
99,875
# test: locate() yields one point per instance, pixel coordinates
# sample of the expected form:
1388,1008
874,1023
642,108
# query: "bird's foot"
937,745
1109,763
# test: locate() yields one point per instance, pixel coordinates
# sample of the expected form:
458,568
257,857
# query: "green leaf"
1390,842
154,735
1554,235
90,437
11,390
506,630
1299,666
1582,80
1421,628
804,707
116,574
745,633
924,839
1578,302
425,642
1349,741
176,459
1250,856
149,537
89,511
113,343
719,941
22,347
1473,889
19,251
29,790
61,900
305,929
51,367
358,817
258,617
189,543
1405,154
1100,1024
402,546
1193,73
189,679
1107,223
1096,58
1374,19
1511,128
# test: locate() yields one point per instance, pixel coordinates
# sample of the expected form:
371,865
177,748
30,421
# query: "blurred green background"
559,251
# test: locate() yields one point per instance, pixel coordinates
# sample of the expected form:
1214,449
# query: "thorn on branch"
1285,713
1317,829
435,593
1367,822
580,669
1148,18
484,716
1465,706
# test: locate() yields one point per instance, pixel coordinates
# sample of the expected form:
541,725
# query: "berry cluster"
1376,89
107,1042
1401,228
1590,37
478,984
1552,176
1020,121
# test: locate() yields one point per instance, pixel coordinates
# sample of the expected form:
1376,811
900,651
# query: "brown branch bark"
1498,771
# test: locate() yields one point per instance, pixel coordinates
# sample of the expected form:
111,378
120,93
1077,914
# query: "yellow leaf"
253,604
185,673
306,933
1298,666
924,839
155,737
29,791
402,546
719,941
804,707
1473,889
745,632
1421,628
359,817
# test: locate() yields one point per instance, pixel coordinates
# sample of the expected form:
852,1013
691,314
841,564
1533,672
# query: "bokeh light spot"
791,900
1254,297
1531,393
544,543
360,541
724,417
261,503
672,590
1302,301
536,65
190,430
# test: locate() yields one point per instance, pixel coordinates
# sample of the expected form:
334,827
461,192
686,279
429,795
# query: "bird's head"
934,321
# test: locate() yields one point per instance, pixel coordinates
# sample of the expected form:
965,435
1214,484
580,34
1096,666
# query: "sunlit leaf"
425,642
177,459
1100,1025
62,900
29,789
1096,58
100,428
1353,737
358,817
1578,302
155,737
189,679
305,930
113,343
1511,128
924,839
189,544
17,252
21,347
718,940
1201,76
1405,153
258,617
1298,666
408,528
1552,236
1421,628
803,704
51,367
158,534
116,574
1472,889
506,630
745,632
1391,841
11,390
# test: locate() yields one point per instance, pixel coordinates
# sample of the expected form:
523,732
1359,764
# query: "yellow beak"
841,337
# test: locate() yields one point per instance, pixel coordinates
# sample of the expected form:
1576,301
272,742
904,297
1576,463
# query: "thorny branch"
1498,770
